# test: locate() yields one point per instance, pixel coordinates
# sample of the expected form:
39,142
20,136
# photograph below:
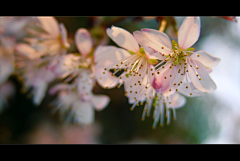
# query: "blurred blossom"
7,58
82,72
47,44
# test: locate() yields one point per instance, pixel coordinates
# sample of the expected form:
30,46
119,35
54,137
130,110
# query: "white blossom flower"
76,64
6,57
50,38
134,61
14,26
162,103
36,76
182,63
34,60
80,108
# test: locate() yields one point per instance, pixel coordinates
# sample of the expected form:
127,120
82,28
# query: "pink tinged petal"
63,32
106,79
27,51
151,54
40,90
186,91
58,87
189,32
143,40
100,101
84,112
123,38
164,83
206,84
83,41
205,58
109,55
177,100
158,37
50,25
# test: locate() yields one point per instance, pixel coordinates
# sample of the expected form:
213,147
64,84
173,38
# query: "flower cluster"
154,70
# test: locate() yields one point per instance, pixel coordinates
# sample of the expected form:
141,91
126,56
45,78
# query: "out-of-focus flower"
6,57
13,26
181,61
81,109
7,90
49,38
35,59
82,71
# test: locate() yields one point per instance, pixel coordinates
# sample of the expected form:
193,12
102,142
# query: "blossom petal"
58,87
205,58
177,100
64,36
84,112
85,83
109,55
186,91
158,37
83,41
123,38
50,25
143,40
189,32
104,80
206,84
27,51
164,82
40,90
100,101
153,55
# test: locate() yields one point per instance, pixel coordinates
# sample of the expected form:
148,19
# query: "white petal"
177,100
206,84
27,51
143,40
85,84
158,37
189,32
105,79
84,112
123,38
186,91
110,55
40,91
100,101
58,87
83,41
50,25
151,54
205,58
64,36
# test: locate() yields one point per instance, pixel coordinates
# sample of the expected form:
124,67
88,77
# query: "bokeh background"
213,118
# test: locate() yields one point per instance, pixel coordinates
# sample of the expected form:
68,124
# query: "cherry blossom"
35,59
182,64
81,107
134,61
